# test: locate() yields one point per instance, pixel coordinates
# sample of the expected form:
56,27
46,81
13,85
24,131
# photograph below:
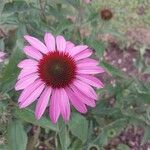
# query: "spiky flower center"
57,69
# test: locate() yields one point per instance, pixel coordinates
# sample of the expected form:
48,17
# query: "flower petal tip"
37,117
26,37
54,121
20,105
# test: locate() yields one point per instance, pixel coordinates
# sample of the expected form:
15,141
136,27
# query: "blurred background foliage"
121,119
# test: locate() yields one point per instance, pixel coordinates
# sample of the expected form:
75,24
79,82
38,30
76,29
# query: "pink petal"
85,88
87,1
25,81
93,81
42,102
32,52
82,97
36,44
26,71
77,49
54,111
85,65
27,63
84,54
64,104
81,107
69,45
26,92
61,43
2,54
32,97
50,41
90,70
87,62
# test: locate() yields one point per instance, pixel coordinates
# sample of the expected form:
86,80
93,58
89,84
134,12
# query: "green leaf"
9,18
74,3
3,147
96,45
144,97
77,145
146,134
2,6
147,70
10,73
2,44
17,137
63,135
115,126
123,147
112,70
16,6
78,126
101,110
62,26
28,116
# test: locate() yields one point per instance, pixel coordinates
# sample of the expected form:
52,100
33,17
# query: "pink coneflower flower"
56,74
2,56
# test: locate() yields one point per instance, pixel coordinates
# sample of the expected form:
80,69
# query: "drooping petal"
84,54
50,41
42,102
69,46
77,49
90,70
81,107
54,111
82,97
64,104
61,43
36,44
93,81
25,81
27,63
27,71
26,92
32,52
85,88
32,97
